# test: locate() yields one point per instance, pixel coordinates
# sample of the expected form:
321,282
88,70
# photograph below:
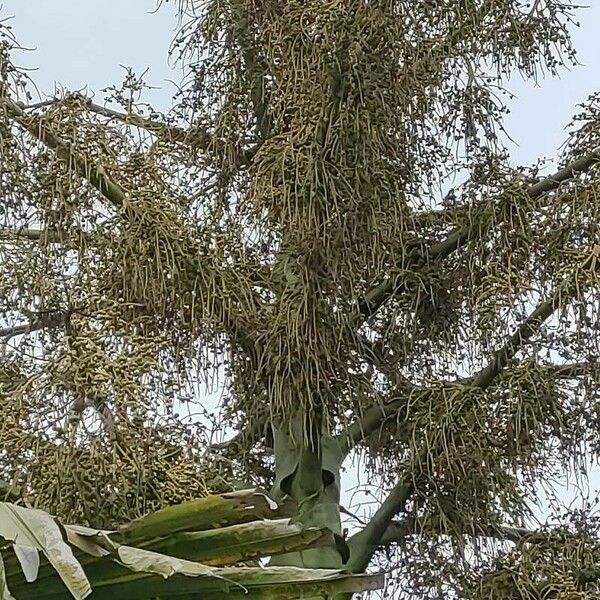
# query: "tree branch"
48,320
95,174
254,72
378,296
591,575
45,236
530,326
527,329
374,417
35,235
364,544
570,370
382,529
248,435
197,136
399,530
171,132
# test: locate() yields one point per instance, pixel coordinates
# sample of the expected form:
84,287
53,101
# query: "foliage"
220,531
282,228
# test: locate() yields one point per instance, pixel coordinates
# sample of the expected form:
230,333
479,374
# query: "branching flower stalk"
280,231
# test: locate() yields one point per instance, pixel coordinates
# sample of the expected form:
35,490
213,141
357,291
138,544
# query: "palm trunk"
310,474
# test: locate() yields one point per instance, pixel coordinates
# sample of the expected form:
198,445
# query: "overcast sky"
84,44
81,44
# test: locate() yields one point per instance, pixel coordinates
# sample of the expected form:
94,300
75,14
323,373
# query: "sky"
84,45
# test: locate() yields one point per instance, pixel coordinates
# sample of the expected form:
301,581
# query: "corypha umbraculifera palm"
282,226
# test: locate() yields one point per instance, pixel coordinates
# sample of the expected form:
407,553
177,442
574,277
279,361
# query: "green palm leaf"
195,548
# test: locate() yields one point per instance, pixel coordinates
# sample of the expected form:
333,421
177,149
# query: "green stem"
311,477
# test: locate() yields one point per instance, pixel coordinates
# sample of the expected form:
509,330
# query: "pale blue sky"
82,43
540,113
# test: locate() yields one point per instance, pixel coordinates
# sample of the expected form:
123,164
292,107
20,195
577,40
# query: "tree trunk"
311,476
